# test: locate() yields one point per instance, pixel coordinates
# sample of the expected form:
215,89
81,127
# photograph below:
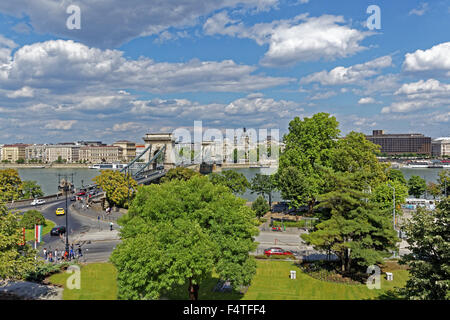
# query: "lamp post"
65,186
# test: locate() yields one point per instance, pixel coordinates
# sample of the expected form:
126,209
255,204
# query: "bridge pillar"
157,141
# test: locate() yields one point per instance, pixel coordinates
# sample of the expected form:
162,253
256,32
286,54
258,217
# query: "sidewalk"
94,213
104,235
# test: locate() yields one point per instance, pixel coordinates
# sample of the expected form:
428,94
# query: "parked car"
73,198
56,231
60,212
37,201
81,193
277,251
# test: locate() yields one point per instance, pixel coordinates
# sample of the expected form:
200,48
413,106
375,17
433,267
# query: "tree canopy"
428,236
179,173
260,206
417,186
31,190
179,232
263,185
231,179
117,186
10,185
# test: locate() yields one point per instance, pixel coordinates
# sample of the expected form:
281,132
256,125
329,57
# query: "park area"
271,282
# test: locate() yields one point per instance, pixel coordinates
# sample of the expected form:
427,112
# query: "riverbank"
44,166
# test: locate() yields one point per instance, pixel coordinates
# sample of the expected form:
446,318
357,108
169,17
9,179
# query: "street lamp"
66,187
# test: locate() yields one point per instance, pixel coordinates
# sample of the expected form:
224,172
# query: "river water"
48,178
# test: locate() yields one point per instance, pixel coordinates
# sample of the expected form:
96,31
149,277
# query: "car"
37,202
56,231
73,198
60,212
81,193
277,251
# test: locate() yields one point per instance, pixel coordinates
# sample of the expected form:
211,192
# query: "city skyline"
257,63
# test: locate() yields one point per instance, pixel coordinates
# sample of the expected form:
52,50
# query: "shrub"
31,218
260,206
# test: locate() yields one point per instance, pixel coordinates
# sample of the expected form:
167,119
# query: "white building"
440,147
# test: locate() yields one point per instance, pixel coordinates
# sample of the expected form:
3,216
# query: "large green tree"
308,146
428,236
179,173
263,185
444,182
117,186
31,218
260,206
358,231
417,186
15,259
231,179
179,232
31,189
10,185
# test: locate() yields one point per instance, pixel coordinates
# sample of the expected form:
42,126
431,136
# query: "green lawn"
272,282
98,282
29,234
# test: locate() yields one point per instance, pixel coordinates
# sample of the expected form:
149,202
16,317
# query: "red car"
81,193
277,251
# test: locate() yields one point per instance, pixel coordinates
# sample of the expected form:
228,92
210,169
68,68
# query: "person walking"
80,252
110,226
45,254
56,255
50,257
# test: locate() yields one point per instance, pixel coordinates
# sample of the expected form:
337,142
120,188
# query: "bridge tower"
157,141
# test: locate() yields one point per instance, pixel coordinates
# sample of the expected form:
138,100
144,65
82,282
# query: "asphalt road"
93,251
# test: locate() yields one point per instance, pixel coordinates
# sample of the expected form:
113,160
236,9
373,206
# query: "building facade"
35,152
66,153
13,152
127,150
100,154
401,143
440,147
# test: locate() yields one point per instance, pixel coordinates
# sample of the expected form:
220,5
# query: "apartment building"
69,153
13,152
36,152
100,154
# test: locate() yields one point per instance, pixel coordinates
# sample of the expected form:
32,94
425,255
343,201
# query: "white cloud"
367,100
323,95
421,10
60,124
110,23
435,59
351,75
420,95
127,126
60,64
25,92
302,38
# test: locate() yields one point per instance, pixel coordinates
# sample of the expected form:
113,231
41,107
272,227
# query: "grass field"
272,282
98,282
29,234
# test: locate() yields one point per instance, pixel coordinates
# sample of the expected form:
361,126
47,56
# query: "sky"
113,69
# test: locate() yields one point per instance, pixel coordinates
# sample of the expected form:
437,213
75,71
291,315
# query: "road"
93,250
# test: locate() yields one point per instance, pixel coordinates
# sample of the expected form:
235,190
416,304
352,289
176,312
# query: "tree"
444,182
20,161
10,185
31,189
231,179
263,185
31,218
179,173
396,175
358,231
117,186
177,233
417,186
260,206
428,236
15,260
434,189
308,145
384,195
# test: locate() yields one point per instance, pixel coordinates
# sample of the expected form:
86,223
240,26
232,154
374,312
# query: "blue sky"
148,66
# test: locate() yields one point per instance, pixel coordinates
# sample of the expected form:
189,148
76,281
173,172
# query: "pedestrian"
50,257
56,255
110,226
80,252
45,254
71,254
66,255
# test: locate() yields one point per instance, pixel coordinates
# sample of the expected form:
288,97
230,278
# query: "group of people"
62,255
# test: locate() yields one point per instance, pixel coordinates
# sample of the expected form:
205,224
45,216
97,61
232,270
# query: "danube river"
48,178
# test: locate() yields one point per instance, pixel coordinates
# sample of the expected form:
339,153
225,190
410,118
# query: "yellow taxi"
60,212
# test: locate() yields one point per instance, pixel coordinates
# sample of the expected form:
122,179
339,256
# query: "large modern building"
401,143
440,147
13,152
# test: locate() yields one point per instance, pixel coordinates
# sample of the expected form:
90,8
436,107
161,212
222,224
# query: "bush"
260,206
290,224
42,271
31,218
